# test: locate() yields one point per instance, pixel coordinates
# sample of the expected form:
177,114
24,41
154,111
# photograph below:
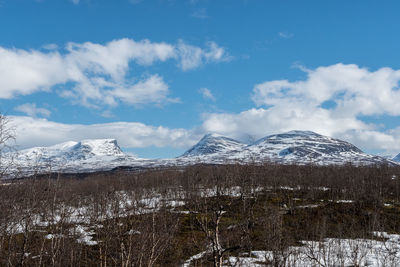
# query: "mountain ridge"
293,147
296,147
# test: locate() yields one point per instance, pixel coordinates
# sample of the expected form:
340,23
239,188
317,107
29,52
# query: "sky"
159,74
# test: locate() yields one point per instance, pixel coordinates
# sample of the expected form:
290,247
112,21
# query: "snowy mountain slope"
309,147
295,147
85,155
214,143
71,150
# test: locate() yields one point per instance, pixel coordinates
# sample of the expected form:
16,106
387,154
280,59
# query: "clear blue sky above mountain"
157,75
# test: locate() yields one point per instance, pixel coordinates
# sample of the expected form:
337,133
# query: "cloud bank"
95,75
42,132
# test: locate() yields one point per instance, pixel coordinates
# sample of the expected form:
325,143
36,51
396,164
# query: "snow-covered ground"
328,252
81,218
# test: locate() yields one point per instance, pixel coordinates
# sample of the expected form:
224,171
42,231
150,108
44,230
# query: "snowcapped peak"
100,147
71,151
299,147
214,143
294,147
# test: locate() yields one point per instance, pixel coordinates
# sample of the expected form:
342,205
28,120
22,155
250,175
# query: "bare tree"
7,139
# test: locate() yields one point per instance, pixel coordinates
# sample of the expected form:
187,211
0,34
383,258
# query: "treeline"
163,217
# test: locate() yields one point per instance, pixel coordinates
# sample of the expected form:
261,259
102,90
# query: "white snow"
295,147
84,235
328,252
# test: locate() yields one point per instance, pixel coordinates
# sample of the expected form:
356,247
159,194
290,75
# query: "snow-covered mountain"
86,155
214,143
310,147
71,150
295,147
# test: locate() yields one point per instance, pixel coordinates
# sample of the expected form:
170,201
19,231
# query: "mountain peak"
71,150
101,147
294,147
212,135
212,143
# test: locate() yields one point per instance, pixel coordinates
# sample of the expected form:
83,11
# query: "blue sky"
157,75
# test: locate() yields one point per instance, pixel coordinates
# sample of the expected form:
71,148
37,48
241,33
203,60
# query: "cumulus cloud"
331,101
206,93
152,90
42,132
32,110
96,74
353,91
24,72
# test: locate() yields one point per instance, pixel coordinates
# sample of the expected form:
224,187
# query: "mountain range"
294,147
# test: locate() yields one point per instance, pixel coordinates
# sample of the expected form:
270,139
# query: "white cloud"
75,2
96,74
151,90
206,93
32,110
192,56
354,90
329,101
24,72
113,58
41,132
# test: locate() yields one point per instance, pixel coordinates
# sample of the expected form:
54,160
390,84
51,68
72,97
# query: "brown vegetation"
163,217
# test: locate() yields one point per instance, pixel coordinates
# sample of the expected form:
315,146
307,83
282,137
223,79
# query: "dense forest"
204,215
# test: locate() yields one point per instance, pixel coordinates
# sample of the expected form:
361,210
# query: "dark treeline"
163,217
